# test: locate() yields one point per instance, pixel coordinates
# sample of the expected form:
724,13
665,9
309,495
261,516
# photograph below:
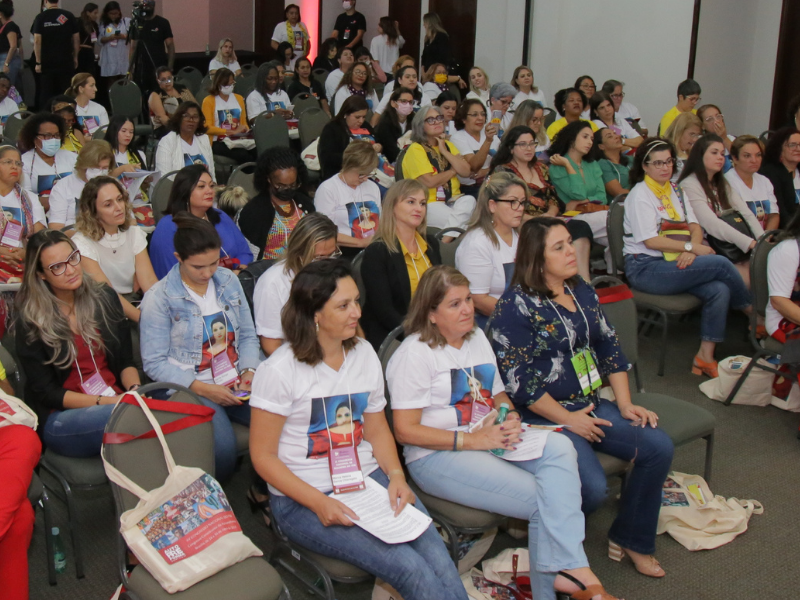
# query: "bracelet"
135,386
98,401
460,444
455,441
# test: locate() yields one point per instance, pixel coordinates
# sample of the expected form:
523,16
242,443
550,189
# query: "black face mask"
284,194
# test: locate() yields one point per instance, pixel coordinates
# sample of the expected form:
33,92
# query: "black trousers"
52,82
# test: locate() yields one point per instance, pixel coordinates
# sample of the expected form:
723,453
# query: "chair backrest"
355,267
759,286
249,277
618,305
454,89
765,135
29,93
159,197
616,231
549,117
191,78
143,460
303,102
243,177
448,250
269,131
389,346
398,165
202,89
321,75
244,85
310,125
14,124
100,133
249,68
126,99
12,372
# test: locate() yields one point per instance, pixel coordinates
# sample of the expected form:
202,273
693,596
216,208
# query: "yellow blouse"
416,263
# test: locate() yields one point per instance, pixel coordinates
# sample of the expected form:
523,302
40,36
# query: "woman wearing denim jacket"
200,334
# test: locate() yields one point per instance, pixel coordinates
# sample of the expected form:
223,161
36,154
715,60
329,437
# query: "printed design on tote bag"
345,422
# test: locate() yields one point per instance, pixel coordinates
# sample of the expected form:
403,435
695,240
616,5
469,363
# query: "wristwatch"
688,247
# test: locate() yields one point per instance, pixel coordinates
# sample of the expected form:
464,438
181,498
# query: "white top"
269,298
173,153
483,96
796,181
343,94
64,199
12,210
257,104
387,97
760,199
623,127
91,117
629,111
281,35
487,267
39,177
215,65
116,255
311,398
228,112
467,144
782,265
332,82
435,380
643,215
356,212
522,96
432,91
385,53
7,107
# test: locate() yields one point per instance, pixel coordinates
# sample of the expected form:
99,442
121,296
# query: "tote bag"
185,531
14,411
755,391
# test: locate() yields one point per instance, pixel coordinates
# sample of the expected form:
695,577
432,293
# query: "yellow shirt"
668,118
558,125
416,163
416,263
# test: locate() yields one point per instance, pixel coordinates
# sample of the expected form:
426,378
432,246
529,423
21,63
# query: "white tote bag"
14,411
755,391
185,531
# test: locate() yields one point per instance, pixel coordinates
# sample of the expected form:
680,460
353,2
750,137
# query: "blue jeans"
224,438
418,570
77,432
545,492
712,278
14,68
651,452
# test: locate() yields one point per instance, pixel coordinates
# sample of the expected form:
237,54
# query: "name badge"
223,371
440,195
582,371
12,235
594,375
97,386
346,35
345,467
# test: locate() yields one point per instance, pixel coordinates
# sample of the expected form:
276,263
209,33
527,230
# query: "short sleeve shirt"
13,213
760,199
282,35
56,27
10,27
416,163
215,65
488,268
643,215
269,297
91,117
154,33
64,199
355,212
39,177
782,265
116,255
348,27
466,144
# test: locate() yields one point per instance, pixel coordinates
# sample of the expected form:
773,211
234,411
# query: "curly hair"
27,135
277,159
86,221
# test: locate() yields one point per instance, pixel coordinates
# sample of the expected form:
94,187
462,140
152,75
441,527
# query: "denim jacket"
171,326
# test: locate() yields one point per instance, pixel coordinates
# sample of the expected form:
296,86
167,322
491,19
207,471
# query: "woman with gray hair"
436,164
501,97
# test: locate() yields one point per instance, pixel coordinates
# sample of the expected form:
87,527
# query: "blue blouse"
532,345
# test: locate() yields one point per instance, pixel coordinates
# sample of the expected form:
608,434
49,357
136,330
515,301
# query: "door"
458,18
268,13
407,13
787,84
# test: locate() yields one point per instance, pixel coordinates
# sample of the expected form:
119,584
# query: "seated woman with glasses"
193,192
394,121
477,141
434,81
313,239
747,152
501,96
73,342
683,133
530,113
23,214
781,160
267,95
405,77
351,200
270,217
571,103
601,110
164,101
356,82
714,122
186,143
657,264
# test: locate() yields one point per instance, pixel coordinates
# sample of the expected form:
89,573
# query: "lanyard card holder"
12,235
223,371
346,475
97,386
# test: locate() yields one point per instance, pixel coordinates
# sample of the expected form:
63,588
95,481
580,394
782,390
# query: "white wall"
372,10
500,28
644,43
736,52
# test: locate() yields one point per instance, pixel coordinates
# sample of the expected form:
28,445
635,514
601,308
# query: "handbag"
184,531
729,250
14,411
591,207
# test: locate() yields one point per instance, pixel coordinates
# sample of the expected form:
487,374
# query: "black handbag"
727,249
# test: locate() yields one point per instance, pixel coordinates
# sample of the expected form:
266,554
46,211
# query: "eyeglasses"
695,136
7,162
435,120
476,115
525,144
792,145
335,254
167,80
360,72
515,203
660,164
48,136
718,117
588,86
405,102
188,117
59,268
621,95
282,186
537,119
694,99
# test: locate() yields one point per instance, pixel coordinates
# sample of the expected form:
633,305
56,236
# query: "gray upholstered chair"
448,250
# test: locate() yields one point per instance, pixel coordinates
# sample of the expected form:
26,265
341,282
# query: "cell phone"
116,32
242,395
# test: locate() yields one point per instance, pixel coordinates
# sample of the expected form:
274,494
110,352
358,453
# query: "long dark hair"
594,103
389,114
185,181
351,105
565,138
648,146
715,190
112,136
88,25
113,5
530,261
415,92
504,152
597,153
774,149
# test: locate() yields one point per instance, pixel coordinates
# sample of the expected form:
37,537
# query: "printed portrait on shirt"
88,124
461,394
218,337
229,118
194,159
13,215
363,218
45,183
342,416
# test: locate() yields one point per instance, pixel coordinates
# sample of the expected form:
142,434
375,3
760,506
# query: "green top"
588,186
612,171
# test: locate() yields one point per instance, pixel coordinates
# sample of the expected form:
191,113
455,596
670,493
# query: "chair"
662,307
243,177
245,84
202,90
223,167
14,124
765,135
143,462
159,197
320,75
28,90
126,99
549,117
192,78
100,133
456,91
37,496
398,165
249,69
355,267
448,249
249,278
270,131
683,421
310,124
304,101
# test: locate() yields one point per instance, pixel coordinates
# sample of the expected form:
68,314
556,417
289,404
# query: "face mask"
226,89
440,79
284,195
50,147
405,109
347,5
92,173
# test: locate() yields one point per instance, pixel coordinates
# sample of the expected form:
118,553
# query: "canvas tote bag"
14,411
185,531
755,391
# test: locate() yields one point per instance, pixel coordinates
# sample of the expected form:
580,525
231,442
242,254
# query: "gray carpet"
754,457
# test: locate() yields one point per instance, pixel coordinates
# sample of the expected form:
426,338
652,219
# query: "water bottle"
59,558
208,50
501,417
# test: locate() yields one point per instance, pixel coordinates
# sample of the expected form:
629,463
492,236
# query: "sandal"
259,505
585,593
652,568
700,367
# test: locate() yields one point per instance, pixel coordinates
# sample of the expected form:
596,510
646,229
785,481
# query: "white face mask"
347,5
92,173
226,90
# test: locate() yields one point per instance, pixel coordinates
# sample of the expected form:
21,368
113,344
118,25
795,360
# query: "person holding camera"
56,42
157,47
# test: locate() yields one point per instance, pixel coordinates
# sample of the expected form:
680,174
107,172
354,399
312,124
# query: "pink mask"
405,109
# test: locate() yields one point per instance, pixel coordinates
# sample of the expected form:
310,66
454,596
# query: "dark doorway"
407,14
458,18
787,66
268,13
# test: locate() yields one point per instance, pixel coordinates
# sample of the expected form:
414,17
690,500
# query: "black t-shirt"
316,89
10,27
56,27
153,34
348,26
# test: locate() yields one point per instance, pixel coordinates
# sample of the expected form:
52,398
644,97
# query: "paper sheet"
530,446
133,180
376,516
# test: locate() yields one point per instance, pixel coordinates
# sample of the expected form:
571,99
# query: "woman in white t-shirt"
442,379
318,403
22,213
405,77
601,110
293,31
356,82
522,79
186,143
346,60
477,142
313,239
225,59
351,200
385,47
434,81
783,278
267,95
113,249
7,105
487,254
479,84
747,152
91,115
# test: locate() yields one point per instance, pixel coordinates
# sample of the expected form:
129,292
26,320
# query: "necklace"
190,287
114,237
285,212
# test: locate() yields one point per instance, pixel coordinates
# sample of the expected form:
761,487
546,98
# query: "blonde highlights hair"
359,156
485,79
523,115
387,225
219,56
679,126
433,25
493,187
78,81
92,153
310,231
432,288
86,221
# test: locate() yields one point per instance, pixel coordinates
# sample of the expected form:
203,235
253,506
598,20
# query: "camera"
143,9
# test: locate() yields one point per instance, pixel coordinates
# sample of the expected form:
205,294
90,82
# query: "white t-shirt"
311,398
385,53
760,199
91,117
435,380
64,199
782,264
257,104
643,215
796,180
522,96
629,111
39,177
332,82
281,35
483,96
489,269
356,212
116,255
467,144
7,107
215,65
343,94
387,97
432,90
269,298
227,113
192,153
623,127
13,212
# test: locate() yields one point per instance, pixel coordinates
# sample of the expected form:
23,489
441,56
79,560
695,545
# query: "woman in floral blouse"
553,345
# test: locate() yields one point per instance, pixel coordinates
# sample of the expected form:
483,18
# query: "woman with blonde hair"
225,59
91,115
530,113
522,79
479,84
682,133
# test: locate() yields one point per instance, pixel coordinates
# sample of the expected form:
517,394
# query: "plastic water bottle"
59,558
501,417
208,50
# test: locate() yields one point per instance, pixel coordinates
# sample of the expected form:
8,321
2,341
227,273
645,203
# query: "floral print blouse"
532,345
542,198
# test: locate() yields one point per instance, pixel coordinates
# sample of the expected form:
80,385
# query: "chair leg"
48,539
311,586
639,385
72,513
664,331
709,456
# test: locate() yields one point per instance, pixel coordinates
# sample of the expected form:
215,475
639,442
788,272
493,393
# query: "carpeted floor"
756,449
